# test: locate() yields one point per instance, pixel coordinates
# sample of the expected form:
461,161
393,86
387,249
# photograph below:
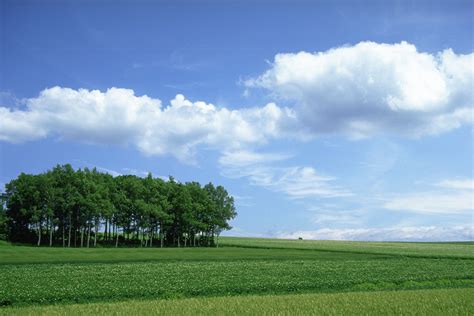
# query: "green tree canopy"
85,207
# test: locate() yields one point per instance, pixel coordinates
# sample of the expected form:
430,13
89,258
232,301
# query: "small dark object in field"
300,238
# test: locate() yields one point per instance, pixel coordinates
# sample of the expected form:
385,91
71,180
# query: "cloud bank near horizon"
405,233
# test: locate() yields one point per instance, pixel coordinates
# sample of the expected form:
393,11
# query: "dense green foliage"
3,223
226,271
420,302
85,207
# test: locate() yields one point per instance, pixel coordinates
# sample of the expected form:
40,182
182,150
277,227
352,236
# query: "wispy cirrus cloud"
336,217
459,184
242,158
454,196
433,203
296,181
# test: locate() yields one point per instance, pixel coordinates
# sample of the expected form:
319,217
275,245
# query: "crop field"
245,275
412,249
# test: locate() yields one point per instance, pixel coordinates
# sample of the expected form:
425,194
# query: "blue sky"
325,119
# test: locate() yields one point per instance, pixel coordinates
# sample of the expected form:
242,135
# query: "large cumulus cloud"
370,88
118,116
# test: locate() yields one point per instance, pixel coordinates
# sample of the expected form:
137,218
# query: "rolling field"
411,249
245,272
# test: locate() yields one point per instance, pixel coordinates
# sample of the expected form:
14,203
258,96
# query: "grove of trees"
87,208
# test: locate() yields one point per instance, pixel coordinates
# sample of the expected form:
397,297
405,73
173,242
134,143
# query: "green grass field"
413,249
421,302
244,276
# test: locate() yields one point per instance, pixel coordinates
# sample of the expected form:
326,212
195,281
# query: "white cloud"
241,158
460,184
19,126
412,233
358,90
456,196
296,182
434,202
118,116
372,88
336,217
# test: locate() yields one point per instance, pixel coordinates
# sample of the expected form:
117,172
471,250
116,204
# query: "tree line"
87,208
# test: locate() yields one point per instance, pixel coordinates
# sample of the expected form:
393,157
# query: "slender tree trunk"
217,240
88,235
82,236
39,234
70,227
151,236
146,237
161,239
51,228
64,235
161,234
47,227
157,232
77,229
110,224
96,232
116,236
105,230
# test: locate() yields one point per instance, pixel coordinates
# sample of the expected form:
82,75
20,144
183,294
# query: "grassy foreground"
421,302
245,272
66,283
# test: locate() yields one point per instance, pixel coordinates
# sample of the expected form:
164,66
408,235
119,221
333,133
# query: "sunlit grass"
421,302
